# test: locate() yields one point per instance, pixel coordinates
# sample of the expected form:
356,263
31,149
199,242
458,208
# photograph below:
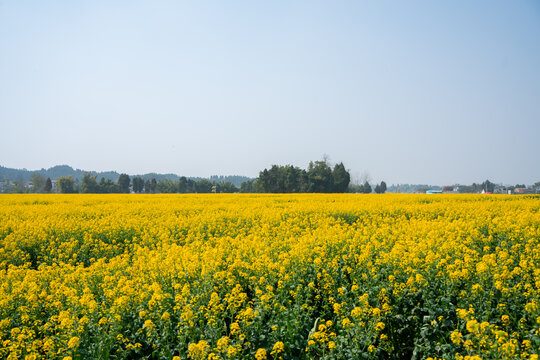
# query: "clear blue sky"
406,91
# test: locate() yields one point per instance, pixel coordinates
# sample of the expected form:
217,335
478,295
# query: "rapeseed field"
269,276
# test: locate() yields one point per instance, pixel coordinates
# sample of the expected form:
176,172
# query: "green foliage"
48,186
380,188
366,188
89,184
341,178
167,186
150,186
107,186
38,182
319,178
65,185
138,185
251,186
226,187
488,186
123,183
204,186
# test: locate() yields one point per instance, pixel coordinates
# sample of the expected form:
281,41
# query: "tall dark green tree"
320,179
366,188
150,186
488,186
48,185
296,179
138,185
341,178
147,186
380,188
123,183
182,185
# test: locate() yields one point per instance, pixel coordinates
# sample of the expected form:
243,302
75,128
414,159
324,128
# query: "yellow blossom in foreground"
217,276
261,354
278,348
73,342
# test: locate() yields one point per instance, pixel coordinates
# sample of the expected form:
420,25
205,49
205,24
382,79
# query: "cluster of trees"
90,185
319,177
366,188
182,186
125,184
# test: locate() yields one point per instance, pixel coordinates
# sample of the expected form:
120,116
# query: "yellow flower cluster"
269,276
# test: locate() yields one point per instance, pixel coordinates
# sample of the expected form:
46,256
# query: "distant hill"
77,174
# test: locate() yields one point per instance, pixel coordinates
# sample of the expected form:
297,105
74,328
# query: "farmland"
269,276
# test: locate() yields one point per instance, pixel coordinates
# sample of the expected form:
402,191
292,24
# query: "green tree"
204,186
147,186
380,188
282,179
167,186
138,185
107,186
366,188
150,186
295,179
182,185
341,178
65,185
89,184
488,186
226,187
48,185
320,178
250,186
38,182
123,183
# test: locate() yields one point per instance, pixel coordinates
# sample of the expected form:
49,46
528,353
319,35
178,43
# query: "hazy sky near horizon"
407,92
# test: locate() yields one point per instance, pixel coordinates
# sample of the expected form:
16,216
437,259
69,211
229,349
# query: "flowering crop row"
269,276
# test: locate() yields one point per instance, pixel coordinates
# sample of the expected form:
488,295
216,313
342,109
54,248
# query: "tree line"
125,184
319,177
